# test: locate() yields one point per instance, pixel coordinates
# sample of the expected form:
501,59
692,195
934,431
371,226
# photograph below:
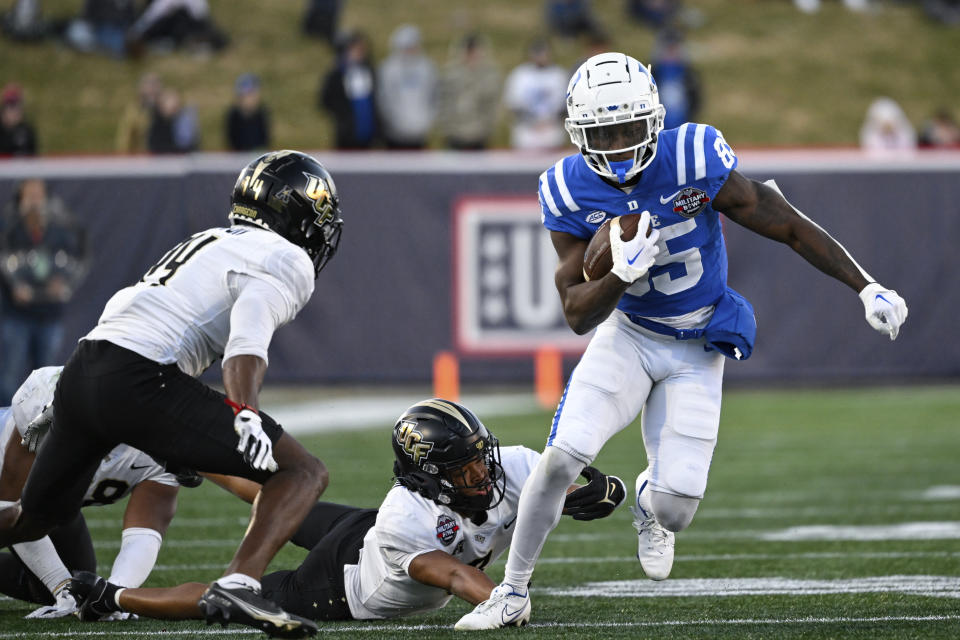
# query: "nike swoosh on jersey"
509,524
134,467
670,197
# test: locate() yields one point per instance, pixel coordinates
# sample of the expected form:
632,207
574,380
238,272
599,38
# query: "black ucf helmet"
291,194
432,442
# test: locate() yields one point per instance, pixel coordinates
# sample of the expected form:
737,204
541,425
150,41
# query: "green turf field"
829,514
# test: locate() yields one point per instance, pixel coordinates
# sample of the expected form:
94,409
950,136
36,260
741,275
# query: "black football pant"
315,590
108,395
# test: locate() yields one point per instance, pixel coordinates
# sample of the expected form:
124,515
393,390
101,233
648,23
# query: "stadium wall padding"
394,294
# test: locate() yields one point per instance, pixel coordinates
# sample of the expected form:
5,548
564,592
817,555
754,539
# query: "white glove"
632,258
118,616
254,444
885,310
37,428
64,606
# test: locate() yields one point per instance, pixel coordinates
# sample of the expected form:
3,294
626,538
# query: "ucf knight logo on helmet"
410,438
317,191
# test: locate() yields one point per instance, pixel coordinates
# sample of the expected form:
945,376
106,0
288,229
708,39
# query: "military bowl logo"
690,201
446,529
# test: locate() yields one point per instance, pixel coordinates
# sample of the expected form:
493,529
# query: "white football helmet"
613,108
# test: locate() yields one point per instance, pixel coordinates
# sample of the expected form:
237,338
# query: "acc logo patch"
446,529
410,438
596,217
690,201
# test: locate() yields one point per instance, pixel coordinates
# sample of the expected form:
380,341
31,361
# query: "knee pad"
674,513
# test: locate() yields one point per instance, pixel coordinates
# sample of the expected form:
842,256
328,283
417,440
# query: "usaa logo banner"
506,300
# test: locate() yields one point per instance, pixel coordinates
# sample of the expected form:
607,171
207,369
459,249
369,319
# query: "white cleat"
654,543
505,607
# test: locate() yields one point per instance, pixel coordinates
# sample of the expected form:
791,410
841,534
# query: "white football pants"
678,385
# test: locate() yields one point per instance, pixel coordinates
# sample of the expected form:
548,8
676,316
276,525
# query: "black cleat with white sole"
96,598
243,605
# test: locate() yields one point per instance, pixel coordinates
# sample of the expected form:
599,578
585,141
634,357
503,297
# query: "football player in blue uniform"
664,315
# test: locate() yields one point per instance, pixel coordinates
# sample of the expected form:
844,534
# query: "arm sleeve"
266,297
256,314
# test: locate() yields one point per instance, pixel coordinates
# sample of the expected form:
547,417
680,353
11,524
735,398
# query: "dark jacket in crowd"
248,131
354,112
19,140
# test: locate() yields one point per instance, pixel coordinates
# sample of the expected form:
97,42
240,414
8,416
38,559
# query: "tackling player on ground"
449,515
38,571
664,315
223,293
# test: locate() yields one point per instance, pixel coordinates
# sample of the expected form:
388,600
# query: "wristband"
237,408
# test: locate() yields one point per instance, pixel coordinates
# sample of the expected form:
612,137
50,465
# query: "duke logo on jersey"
678,187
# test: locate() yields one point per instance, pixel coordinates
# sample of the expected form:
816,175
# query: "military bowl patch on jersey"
690,201
446,529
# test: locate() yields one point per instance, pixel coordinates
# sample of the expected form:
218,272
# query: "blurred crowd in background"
406,100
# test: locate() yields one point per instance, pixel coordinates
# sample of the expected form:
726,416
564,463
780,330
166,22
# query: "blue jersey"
691,165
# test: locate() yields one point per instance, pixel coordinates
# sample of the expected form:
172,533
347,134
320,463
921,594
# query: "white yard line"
942,492
899,531
933,586
352,413
759,513
728,557
396,628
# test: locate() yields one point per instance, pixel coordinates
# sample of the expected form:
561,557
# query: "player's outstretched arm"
765,211
585,304
440,569
762,208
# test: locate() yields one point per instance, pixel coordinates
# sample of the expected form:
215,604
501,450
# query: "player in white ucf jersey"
39,570
180,312
450,514
409,525
132,380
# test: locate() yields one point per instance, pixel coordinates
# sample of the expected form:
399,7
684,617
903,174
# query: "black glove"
596,499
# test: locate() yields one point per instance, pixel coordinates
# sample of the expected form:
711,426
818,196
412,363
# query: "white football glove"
118,616
632,258
885,310
37,428
254,444
64,606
